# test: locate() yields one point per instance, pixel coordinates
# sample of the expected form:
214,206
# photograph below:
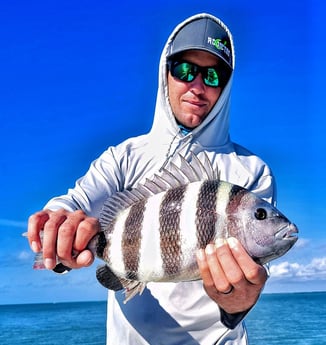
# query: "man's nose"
197,85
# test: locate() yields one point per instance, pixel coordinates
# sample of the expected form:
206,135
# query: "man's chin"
193,122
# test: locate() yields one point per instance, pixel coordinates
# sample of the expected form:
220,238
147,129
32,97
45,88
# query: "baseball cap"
203,34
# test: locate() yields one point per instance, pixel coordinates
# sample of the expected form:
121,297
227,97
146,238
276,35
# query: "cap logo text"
218,44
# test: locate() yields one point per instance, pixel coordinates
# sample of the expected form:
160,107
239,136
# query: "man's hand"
230,277
65,235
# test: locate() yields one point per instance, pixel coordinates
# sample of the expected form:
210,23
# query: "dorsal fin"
117,202
192,170
205,169
174,175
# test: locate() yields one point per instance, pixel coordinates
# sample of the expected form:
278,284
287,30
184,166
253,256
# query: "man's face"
192,101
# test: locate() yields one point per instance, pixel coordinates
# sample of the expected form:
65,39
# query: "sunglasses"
187,72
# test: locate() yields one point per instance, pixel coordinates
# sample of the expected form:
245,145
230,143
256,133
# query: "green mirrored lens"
183,72
211,78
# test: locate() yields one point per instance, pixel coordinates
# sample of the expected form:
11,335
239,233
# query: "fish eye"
261,214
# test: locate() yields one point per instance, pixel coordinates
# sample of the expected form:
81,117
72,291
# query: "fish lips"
288,233
285,239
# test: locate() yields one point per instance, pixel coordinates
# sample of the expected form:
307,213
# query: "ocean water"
277,319
53,324
295,318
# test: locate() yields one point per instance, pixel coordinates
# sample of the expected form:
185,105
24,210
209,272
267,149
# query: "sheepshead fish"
152,232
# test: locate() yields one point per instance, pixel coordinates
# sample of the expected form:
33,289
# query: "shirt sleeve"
232,320
101,180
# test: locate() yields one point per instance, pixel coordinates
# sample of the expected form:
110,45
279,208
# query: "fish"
151,233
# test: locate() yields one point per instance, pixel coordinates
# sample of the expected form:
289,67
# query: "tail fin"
39,263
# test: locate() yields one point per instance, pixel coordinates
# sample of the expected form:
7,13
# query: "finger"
84,259
35,225
233,273
66,237
220,261
213,276
51,228
253,272
203,268
87,229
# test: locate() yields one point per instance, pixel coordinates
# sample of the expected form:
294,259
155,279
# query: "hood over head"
203,32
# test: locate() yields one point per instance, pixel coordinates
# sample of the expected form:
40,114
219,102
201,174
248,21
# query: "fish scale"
131,239
206,216
171,250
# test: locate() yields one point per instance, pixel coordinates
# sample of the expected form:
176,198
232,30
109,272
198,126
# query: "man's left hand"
230,276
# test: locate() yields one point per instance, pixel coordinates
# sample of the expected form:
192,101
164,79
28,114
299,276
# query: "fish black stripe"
101,244
103,239
169,218
131,239
235,198
206,216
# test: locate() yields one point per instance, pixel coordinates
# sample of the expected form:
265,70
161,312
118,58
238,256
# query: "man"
191,115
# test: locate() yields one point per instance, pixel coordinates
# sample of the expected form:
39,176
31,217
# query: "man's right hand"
65,236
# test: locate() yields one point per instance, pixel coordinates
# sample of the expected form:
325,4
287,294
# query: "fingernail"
89,261
35,247
49,264
232,242
220,242
210,249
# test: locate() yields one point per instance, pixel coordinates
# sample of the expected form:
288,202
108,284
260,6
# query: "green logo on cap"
218,44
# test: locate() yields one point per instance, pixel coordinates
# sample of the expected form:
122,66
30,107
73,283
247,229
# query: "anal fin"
132,287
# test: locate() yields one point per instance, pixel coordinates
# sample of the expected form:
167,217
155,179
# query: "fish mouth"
288,233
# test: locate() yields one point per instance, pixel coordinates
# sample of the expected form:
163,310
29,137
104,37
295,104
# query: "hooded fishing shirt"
169,313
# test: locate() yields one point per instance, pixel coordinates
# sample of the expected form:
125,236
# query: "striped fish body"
152,234
156,238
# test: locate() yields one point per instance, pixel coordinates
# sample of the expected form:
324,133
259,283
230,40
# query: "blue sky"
79,76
